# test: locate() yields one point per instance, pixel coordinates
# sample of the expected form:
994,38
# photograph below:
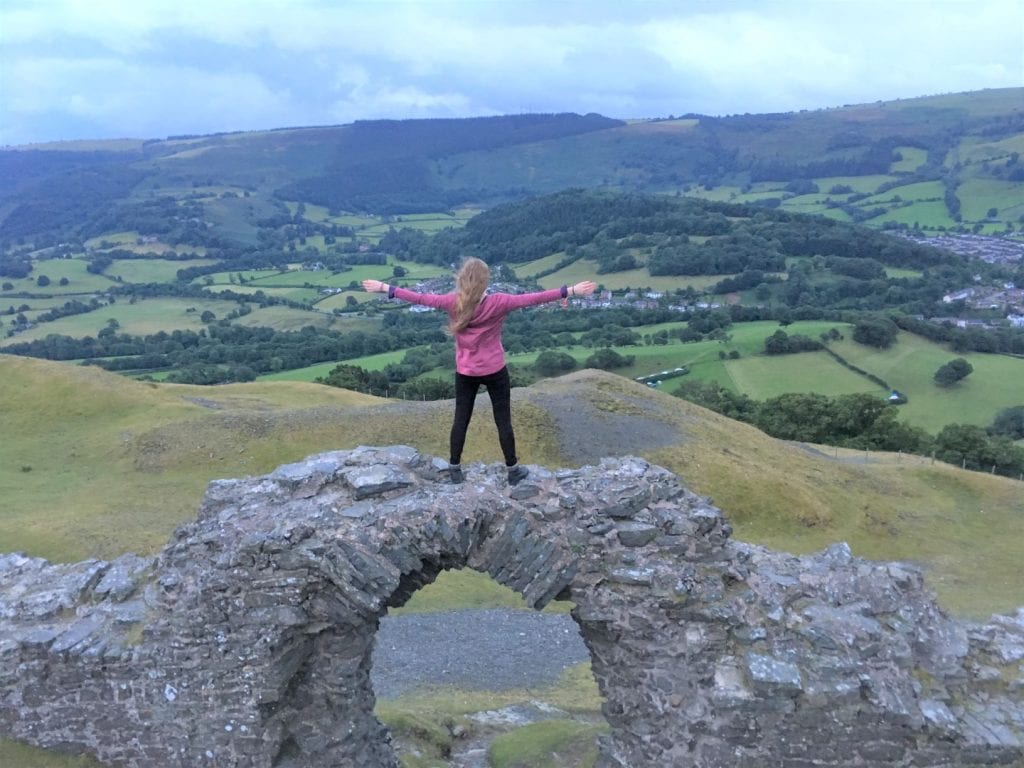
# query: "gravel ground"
494,649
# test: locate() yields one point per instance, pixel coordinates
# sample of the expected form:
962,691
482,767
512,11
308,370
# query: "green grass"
309,373
303,295
14,754
530,268
298,278
421,721
978,195
79,280
922,190
585,269
548,744
931,214
374,227
766,377
340,300
467,589
151,270
862,184
910,366
287,319
135,458
146,316
913,158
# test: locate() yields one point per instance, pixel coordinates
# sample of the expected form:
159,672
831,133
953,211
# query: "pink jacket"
478,349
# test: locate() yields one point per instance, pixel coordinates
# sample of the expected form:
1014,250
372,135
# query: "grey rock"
249,640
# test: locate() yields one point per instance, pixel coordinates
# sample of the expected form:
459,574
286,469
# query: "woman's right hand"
374,286
585,288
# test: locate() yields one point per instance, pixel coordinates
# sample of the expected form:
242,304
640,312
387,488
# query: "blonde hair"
470,283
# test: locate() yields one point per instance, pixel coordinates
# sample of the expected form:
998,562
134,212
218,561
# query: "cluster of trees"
1000,340
781,343
866,422
953,372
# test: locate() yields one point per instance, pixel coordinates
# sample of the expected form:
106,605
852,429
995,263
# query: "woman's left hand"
374,286
585,288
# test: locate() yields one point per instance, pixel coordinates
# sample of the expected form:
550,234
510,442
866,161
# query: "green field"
979,195
928,214
303,295
913,158
151,270
80,281
764,377
863,184
922,190
321,278
372,228
585,269
910,366
136,456
286,319
340,300
145,317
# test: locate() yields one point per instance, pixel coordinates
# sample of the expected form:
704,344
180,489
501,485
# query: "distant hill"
135,457
932,163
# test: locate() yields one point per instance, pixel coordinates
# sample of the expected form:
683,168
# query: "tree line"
866,422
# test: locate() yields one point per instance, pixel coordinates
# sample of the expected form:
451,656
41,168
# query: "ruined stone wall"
248,640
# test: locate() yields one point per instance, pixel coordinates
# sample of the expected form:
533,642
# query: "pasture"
912,159
764,377
910,365
151,270
978,195
930,214
585,269
301,295
143,318
80,280
372,227
285,319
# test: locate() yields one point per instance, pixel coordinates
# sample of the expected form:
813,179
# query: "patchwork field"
146,316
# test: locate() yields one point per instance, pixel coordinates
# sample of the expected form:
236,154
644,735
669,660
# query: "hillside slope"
93,464
941,161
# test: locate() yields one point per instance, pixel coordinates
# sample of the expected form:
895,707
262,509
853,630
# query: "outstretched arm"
442,301
584,288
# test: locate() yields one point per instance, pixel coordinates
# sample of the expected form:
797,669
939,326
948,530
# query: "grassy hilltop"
93,464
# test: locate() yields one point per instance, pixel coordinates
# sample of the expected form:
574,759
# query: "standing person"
475,319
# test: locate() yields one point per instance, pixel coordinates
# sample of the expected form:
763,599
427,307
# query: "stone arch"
248,641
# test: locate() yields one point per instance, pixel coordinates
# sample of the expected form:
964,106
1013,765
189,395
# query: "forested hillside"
933,164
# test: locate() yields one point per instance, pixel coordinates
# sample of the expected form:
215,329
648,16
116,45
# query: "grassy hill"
93,464
886,163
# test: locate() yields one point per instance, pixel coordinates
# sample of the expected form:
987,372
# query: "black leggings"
499,387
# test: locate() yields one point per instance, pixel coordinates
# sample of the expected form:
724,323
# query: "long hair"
470,283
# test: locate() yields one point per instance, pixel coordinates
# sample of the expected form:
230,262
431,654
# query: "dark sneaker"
517,474
455,473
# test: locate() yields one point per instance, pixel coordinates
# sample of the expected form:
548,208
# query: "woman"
475,319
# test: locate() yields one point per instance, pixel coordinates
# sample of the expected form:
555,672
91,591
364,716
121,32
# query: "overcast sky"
72,69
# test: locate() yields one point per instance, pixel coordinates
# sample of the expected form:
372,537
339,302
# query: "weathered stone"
772,676
633,534
248,641
640,576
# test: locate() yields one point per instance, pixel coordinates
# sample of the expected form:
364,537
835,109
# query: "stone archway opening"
463,664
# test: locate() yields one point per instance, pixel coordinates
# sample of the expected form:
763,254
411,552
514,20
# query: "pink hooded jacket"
478,349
